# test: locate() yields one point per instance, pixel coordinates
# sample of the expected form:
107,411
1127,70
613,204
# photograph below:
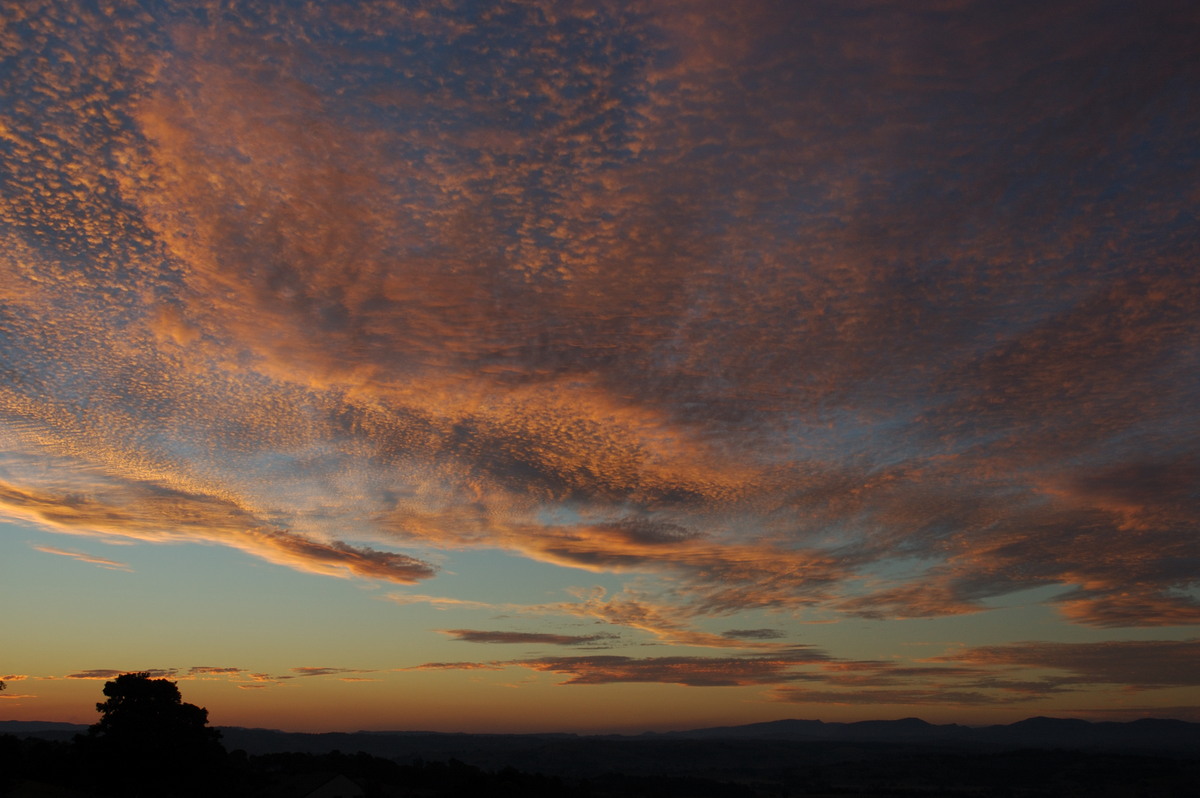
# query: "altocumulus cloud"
701,303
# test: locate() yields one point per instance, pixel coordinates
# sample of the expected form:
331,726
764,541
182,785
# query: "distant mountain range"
1150,736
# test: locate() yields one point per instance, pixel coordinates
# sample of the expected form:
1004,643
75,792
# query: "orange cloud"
855,329
141,511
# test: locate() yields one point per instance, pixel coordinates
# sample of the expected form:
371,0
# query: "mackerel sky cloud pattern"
856,309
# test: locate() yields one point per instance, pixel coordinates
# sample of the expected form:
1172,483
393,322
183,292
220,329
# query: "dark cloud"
649,532
753,634
306,554
689,671
800,695
1132,663
983,675
313,671
533,638
208,670
106,674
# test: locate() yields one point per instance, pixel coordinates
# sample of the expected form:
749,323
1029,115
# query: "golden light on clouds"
762,316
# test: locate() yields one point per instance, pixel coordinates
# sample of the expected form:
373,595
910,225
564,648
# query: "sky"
587,366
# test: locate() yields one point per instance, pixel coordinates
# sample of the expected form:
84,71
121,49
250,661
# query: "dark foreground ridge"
1148,736
1034,757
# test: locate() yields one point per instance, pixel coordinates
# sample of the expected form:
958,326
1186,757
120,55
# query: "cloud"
334,558
979,676
667,623
105,674
456,666
311,671
88,558
890,330
753,634
800,695
208,670
439,602
532,638
660,620
688,671
236,675
1142,664
143,511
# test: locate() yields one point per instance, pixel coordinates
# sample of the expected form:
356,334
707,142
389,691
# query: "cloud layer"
1009,674
842,308
1017,675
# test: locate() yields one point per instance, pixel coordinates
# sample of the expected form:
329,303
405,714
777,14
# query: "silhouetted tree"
150,714
148,741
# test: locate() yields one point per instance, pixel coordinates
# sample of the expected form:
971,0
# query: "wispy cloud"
103,562
441,602
316,671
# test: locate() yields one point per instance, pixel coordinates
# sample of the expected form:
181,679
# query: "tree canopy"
151,714
149,741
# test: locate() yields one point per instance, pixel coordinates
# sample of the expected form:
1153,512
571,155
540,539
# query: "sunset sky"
601,366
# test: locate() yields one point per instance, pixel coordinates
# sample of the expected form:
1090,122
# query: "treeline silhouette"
44,768
148,742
